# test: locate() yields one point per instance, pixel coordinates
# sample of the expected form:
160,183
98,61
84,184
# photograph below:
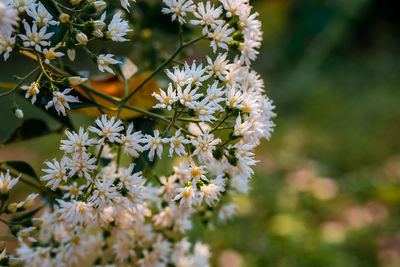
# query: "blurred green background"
327,188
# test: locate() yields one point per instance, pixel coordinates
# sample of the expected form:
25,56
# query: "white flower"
179,77
204,110
205,144
220,37
177,143
131,141
6,182
104,195
195,173
31,90
166,217
28,202
218,67
178,8
56,173
108,129
195,73
233,7
207,16
214,95
118,28
226,212
6,45
81,164
168,186
131,181
188,96
35,38
75,212
235,98
25,234
50,54
104,60
41,16
248,50
185,195
166,99
77,142
245,158
154,143
22,5
242,129
210,193
60,101
125,4
72,191
8,18
201,255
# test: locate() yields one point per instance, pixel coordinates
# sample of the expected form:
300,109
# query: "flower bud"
71,54
94,6
28,203
75,2
98,33
81,38
76,80
100,5
11,208
98,24
18,113
64,18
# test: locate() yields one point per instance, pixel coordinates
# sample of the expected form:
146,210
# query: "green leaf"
29,129
22,167
27,215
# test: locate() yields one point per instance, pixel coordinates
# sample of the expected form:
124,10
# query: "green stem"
21,82
220,123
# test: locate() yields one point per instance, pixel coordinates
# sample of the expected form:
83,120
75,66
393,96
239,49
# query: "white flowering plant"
209,112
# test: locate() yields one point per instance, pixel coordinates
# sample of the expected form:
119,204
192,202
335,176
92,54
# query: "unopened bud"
11,208
81,38
71,54
28,203
76,80
94,6
99,24
64,18
19,113
98,33
100,5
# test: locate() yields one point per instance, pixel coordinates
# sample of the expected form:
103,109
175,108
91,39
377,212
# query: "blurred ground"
327,187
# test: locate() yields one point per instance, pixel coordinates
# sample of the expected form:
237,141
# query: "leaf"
29,129
26,215
22,167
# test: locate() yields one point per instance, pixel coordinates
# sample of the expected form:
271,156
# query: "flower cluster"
214,113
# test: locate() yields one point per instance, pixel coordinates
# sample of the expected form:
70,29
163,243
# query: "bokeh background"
327,188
